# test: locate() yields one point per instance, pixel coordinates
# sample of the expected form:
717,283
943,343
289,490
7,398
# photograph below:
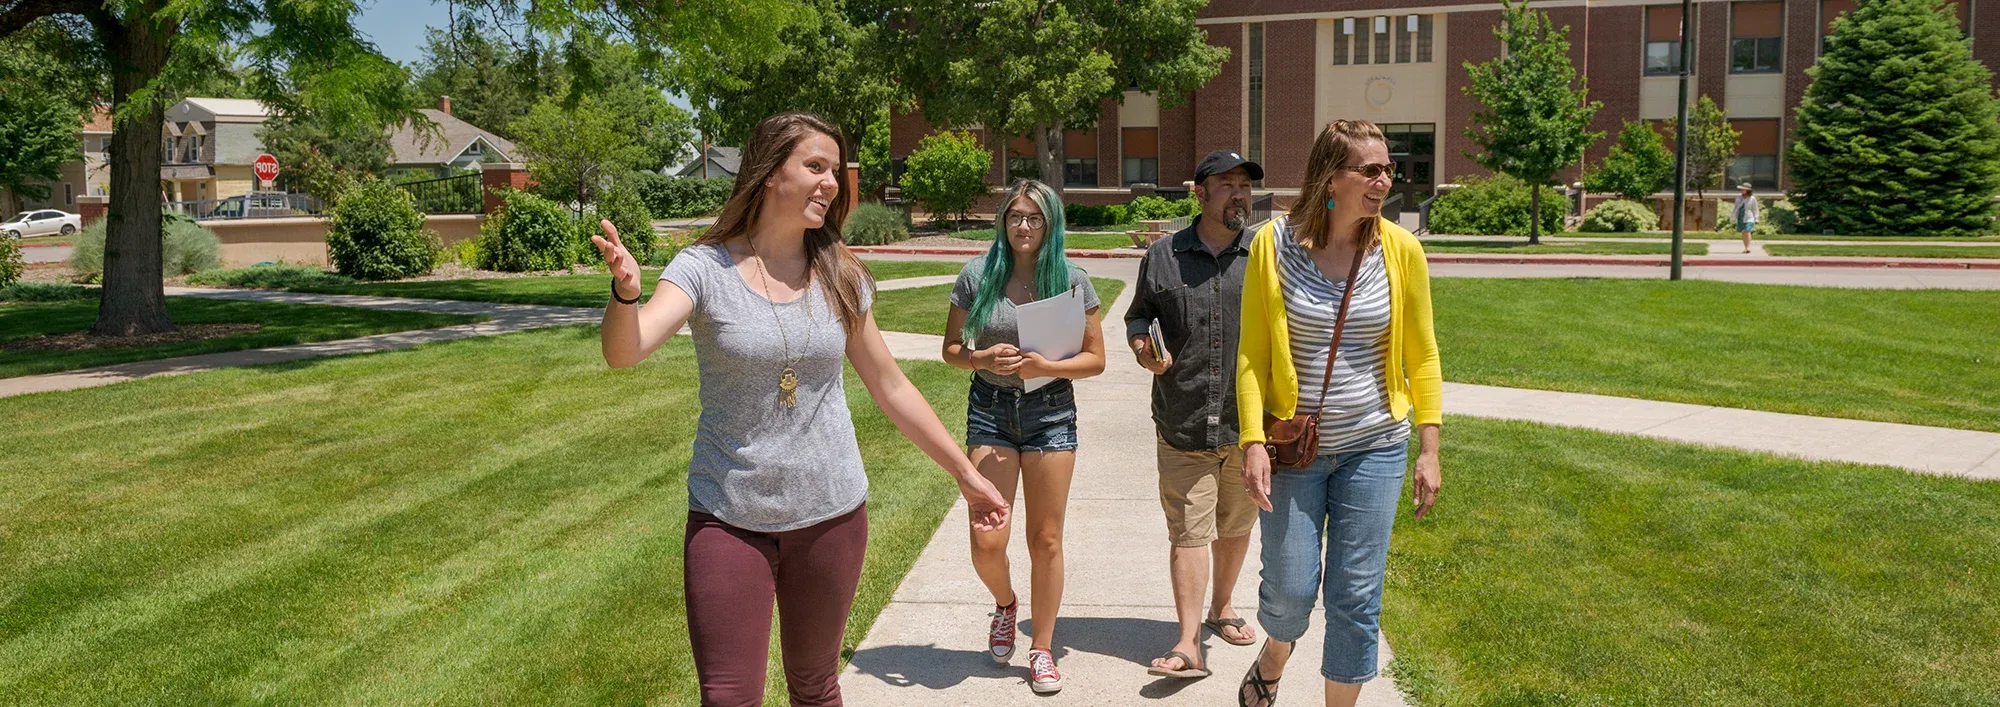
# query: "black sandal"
1267,690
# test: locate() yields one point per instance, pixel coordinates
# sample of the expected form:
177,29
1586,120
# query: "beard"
1233,216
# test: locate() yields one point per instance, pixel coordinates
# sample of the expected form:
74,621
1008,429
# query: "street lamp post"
1681,138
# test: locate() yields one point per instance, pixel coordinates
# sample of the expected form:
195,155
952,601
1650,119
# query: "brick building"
1295,65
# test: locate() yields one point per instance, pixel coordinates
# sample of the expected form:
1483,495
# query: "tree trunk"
134,300
1535,214
1049,155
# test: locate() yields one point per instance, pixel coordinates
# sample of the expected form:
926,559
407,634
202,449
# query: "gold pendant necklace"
788,381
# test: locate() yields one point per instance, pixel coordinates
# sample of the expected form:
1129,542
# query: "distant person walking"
1746,215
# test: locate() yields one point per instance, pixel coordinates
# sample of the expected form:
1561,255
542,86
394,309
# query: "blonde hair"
1308,216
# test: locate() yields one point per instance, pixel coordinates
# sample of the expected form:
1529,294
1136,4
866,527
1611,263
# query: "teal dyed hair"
1051,268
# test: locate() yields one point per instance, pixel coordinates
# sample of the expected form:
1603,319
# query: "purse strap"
1339,323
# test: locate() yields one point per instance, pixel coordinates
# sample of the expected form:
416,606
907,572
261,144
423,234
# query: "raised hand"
624,268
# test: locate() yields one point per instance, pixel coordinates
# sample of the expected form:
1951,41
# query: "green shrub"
529,233
1779,217
677,197
377,233
1153,207
12,264
1637,166
947,173
876,224
672,245
1495,206
634,223
45,292
463,252
269,277
1620,216
185,248
1087,216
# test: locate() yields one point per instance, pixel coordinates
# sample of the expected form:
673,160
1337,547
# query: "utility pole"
1681,137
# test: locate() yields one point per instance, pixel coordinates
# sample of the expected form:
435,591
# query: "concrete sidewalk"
928,645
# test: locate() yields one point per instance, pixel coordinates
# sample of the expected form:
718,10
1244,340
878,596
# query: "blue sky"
397,26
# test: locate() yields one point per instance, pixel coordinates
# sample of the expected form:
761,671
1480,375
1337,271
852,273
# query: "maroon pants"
731,576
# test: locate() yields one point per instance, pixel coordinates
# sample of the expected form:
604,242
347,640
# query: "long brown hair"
1329,153
841,275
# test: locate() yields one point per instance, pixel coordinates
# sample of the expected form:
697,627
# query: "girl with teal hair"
1017,436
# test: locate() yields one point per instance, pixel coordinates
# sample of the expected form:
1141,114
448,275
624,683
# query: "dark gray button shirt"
1198,298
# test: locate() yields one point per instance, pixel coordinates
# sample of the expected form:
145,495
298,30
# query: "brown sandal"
1187,668
1267,690
1217,624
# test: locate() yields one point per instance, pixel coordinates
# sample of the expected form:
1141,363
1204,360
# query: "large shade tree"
1040,67
1534,119
301,55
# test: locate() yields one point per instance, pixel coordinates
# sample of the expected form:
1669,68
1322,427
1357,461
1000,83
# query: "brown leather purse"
1294,443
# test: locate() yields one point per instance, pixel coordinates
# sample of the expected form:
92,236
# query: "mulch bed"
84,341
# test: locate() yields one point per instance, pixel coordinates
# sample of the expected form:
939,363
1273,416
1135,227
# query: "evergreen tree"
1532,124
1899,132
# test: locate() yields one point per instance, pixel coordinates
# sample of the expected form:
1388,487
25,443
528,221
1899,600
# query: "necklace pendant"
788,388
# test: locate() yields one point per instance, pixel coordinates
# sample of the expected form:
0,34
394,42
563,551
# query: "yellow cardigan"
1266,380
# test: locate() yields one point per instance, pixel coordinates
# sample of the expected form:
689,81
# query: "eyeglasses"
1372,171
1030,220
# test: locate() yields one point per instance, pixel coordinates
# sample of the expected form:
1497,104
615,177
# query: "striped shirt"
1357,415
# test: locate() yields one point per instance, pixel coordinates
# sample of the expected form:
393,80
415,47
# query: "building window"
1080,172
1663,40
1381,40
1142,156
167,149
1756,37
1424,30
1361,37
1343,40
1406,27
475,149
1255,124
1756,154
69,194
896,167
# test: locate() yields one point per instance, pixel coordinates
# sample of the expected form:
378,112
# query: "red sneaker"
1043,677
1000,636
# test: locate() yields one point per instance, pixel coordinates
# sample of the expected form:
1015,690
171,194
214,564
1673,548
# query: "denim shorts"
1040,421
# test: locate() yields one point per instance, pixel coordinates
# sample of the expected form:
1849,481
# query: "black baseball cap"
1221,161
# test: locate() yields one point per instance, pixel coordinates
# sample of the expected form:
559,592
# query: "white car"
42,223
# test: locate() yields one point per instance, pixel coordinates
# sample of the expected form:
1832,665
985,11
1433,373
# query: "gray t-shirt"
757,464
1001,325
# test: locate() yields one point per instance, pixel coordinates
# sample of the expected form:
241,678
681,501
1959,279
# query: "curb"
26,246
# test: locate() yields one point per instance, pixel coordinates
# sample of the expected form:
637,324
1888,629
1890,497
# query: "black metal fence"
262,204
446,195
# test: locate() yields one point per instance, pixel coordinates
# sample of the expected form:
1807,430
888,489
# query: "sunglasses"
1372,171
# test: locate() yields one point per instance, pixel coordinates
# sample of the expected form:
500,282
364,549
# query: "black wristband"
621,300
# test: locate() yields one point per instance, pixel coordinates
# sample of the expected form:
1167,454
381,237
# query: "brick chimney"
444,105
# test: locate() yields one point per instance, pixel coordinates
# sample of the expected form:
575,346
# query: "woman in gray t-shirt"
776,488
1016,434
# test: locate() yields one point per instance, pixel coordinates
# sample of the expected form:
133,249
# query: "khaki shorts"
1202,493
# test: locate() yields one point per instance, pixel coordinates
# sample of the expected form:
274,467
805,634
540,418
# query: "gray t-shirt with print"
1002,327
757,464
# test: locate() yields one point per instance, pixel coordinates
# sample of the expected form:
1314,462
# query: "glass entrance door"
1413,147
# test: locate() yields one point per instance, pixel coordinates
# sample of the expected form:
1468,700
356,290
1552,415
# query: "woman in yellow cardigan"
1386,372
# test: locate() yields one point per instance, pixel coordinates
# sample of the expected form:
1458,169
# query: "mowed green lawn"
492,521
1566,567
1071,241
1923,357
283,324
922,310
588,290
1884,251
1521,247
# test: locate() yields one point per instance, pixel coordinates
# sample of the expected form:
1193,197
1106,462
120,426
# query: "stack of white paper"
1052,327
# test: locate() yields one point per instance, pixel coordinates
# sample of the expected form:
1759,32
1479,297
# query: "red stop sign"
266,167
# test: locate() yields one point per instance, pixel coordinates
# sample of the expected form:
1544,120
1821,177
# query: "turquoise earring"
1329,203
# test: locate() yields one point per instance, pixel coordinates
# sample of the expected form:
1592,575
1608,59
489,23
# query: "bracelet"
621,300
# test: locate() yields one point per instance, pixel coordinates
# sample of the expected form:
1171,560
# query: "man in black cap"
1191,289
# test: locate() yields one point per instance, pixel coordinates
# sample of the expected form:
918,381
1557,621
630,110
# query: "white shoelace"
1003,624
1041,663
